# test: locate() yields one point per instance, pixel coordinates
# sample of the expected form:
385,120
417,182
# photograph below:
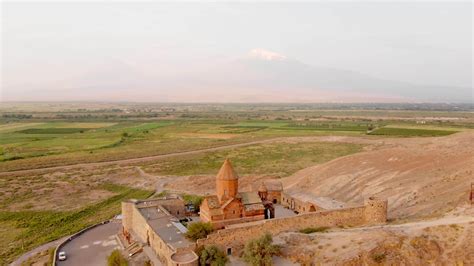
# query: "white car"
62,255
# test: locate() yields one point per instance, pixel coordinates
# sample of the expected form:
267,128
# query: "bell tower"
227,182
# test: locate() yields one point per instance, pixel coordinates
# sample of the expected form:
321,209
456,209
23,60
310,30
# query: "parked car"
62,255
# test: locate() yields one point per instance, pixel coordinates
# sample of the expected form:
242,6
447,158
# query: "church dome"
227,172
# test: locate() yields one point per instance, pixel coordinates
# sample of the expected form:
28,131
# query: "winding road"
39,249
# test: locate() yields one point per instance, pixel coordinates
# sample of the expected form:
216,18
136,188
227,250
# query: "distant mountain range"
260,76
268,76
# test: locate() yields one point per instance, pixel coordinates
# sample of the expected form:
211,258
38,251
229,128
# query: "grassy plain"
34,145
410,132
278,159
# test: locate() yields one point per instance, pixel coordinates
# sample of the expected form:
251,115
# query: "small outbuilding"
303,202
270,190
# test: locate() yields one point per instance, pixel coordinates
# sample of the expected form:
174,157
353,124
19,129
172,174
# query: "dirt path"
349,139
135,160
463,215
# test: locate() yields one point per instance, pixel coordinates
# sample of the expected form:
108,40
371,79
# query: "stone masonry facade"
233,238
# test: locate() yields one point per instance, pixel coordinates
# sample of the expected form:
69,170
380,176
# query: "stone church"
229,206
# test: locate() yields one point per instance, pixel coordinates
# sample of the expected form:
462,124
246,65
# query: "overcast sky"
417,42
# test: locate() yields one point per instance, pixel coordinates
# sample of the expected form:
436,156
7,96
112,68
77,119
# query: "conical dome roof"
227,171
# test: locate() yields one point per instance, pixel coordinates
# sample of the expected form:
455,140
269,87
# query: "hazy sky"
45,44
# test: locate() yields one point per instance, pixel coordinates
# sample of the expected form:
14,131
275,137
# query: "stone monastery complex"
230,206
154,225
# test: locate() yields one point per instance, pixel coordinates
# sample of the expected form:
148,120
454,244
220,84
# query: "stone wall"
374,211
127,216
174,205
274,196
298,205
223,223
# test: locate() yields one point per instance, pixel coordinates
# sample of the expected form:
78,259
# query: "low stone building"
302,202
271,191
155,224
229,206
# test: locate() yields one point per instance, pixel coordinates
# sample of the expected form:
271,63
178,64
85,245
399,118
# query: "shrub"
378,257
199,230
116,259
212,255
310,230
259,252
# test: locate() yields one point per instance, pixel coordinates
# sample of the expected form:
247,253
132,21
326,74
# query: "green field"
410,132
279,159
53,131
51,143
35,145
24,230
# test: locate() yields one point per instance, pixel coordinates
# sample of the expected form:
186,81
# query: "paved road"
30,253
92,247
134,160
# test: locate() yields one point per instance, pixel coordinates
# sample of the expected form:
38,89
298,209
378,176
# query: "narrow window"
229,251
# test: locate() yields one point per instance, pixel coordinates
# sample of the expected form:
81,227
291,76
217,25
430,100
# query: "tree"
196,200
213,256
199,230
259,252
116,259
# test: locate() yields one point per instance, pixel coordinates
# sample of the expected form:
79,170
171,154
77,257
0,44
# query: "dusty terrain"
441,241
419,176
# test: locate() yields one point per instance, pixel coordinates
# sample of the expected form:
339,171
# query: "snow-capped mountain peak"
266,55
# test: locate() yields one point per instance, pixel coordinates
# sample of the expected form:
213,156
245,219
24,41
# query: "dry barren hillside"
441,241
419,176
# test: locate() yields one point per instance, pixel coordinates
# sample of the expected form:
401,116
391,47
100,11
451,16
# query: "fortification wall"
127,216
223,223
372,212
375,210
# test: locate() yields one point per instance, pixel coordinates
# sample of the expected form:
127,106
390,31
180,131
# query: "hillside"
419,176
